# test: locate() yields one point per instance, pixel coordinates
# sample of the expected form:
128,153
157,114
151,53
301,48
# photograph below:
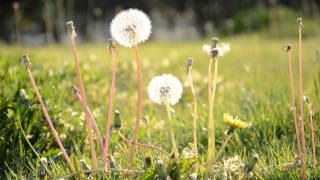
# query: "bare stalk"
195,113
95,126
211,98
310,107
49,121
293,104
73,35
112,94
139,104
223,146
303,148
17,18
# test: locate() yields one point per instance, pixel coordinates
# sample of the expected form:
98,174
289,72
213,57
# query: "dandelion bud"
250,165
25,59
130,27
299,21
165,89
147,162
117,120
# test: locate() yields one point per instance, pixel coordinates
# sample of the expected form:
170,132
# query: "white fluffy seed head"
221,47
130,27
165,88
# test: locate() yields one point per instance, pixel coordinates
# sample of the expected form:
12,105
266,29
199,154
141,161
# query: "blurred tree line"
231,16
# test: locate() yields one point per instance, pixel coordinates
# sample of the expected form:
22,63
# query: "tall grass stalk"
293,104
195,113
45,112
139,103
303,148
95,126
111,97
73,35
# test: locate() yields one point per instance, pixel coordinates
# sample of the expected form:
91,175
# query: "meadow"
253,84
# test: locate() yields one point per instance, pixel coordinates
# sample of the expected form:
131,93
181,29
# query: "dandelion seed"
221,49
165,88
131,27
233,122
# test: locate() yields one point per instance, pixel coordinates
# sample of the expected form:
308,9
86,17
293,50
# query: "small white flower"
165,88
221,48
130,27
44,160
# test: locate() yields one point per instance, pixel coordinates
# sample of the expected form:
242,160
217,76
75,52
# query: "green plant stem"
211,97
82,93
293,105
171,134
112,94
313,140
223,146
195,117
303,148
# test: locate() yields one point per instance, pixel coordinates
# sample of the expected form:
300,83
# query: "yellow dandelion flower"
234,122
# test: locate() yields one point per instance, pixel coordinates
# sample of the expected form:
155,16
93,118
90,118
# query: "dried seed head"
288,48
189,62
26,60
299,21
70,28
74,89
16,6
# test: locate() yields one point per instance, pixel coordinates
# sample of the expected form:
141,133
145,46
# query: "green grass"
254,85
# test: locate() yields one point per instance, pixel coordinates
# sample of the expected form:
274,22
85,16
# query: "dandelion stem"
303,148
112,94
95,126
195,115
293,105
82,93
45,112
223,146
171,134
313,139
139,104
211,95
142,145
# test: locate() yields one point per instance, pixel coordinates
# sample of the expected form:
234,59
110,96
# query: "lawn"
253,84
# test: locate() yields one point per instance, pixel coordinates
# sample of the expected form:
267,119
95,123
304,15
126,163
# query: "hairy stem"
293,105
112,94
49,121
95,126
195,116
303,148
139,104
84,104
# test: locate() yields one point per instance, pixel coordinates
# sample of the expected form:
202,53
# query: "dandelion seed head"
220,49
130,27
165,88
